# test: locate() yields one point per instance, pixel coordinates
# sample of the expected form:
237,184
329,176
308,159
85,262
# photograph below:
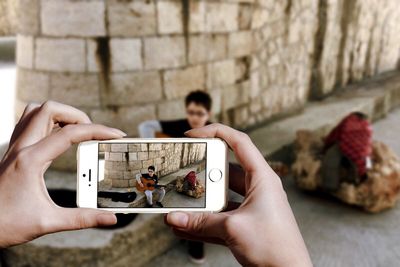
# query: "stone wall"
8,19
124,161
125,61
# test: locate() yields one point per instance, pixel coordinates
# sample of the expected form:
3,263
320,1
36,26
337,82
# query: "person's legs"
161,194
149,197
196,252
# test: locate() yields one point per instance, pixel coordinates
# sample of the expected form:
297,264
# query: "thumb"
198,223
81,218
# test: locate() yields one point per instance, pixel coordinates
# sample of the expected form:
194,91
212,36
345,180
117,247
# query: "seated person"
149,193
189,185
198,111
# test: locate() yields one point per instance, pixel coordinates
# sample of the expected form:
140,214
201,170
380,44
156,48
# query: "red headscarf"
354,136
191,178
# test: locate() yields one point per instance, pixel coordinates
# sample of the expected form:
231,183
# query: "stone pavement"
335,234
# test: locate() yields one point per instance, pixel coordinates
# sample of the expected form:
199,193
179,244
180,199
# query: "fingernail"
185,133
118,131
104,219
178,219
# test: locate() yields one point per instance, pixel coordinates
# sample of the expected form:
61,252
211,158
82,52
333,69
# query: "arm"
148,129
138,176
42,134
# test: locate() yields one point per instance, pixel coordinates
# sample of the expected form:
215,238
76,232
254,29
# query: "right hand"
268,235
141,184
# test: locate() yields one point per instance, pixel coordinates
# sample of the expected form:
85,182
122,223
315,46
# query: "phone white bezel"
216,157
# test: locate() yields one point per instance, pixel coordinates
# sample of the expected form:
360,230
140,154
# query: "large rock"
379,191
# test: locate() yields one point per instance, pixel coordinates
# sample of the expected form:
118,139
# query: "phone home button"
215,175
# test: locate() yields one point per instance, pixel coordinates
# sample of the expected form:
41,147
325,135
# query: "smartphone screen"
151,175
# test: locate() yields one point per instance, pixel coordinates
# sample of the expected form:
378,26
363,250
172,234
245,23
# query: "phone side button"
215,175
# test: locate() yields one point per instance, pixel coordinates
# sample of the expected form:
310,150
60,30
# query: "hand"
268,235
42,134
141,184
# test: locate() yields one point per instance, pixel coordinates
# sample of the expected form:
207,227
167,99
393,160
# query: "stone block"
222,17
260,18
220,73
76,89
119,147
126,54
240,43
113,174
143,155
138,87
27,13
197,18
144,147
158,161
131,18
128,175
234,96
120,182
164,52
92,63
216,96
169,16
115,156
25,51
255,88
180,82
155,147
135,165
147,163
133,147
32,86
105,147
60,54
203,48
73,18
241,117
110,166
173,109
245,15
133,156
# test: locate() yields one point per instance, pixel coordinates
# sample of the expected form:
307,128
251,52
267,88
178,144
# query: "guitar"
148,184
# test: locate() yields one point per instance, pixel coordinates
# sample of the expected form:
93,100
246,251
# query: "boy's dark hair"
151,167
200,98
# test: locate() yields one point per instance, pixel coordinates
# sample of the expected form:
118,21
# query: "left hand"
43,133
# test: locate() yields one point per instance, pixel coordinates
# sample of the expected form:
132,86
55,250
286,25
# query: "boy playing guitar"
148,182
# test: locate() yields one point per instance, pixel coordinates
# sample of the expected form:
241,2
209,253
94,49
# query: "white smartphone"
153,175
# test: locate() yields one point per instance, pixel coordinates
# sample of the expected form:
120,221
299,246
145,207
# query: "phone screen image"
151,175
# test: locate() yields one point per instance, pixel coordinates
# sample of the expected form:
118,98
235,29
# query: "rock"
307,165
379,191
